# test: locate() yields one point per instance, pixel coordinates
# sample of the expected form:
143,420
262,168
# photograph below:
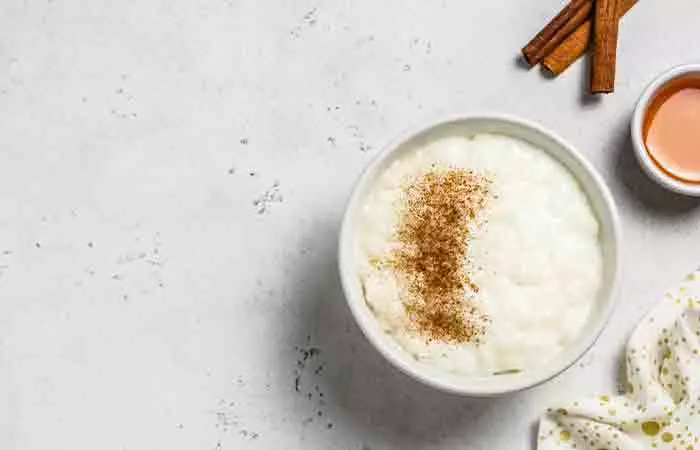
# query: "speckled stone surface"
172,176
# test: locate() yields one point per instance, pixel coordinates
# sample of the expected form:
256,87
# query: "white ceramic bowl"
601,201
655,172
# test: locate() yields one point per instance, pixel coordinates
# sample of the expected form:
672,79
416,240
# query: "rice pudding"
479,255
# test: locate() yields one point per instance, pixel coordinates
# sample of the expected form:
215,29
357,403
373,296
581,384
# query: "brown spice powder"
433,234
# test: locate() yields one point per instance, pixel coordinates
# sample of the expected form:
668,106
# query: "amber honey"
672,128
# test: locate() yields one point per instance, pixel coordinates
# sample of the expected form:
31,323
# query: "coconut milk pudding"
479,255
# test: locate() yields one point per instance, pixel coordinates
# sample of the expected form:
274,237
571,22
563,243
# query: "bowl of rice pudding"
480,254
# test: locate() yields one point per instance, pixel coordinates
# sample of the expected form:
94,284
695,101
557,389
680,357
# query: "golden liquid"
672,128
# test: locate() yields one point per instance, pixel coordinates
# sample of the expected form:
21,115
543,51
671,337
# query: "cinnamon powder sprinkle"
440,208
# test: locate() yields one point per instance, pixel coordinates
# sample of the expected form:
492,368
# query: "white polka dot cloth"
661,409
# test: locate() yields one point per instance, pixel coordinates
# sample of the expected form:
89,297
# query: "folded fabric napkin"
661,409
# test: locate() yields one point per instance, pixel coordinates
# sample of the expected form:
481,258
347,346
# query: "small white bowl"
479,386
651,168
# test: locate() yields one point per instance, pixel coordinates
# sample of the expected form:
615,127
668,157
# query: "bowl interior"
650,167
602,205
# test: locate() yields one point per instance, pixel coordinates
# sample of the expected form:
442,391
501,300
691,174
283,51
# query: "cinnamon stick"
605,30
576,44
569,27
534,50
570,50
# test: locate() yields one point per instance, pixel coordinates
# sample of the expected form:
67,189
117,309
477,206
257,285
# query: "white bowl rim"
385,343
652,169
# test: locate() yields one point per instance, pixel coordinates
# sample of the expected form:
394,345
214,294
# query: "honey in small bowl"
672,128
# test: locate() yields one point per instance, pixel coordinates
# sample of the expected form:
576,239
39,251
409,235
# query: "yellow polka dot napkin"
661,409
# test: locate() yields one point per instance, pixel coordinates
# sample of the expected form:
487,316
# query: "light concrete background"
172,176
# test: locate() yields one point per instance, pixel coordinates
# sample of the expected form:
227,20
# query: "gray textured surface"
172,175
